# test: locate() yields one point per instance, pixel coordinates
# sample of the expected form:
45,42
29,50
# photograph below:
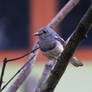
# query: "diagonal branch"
5,62
55,21
63,13
47,69
26,70
78,35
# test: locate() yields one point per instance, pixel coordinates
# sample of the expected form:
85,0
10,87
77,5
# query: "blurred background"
19,19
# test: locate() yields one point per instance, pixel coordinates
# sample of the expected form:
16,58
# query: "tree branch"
2,73
55,21
6,61
26,70
78,35
23,55
62,13
47,69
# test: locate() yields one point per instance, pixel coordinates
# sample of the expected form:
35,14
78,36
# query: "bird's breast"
47,44
55,52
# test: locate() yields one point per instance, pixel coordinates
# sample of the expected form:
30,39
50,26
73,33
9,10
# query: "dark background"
14,24
71,21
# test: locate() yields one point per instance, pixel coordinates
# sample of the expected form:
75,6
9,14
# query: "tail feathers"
74,61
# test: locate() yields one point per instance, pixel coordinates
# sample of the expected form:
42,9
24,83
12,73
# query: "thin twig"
32,51
16,73
4,64
2,73
25,71
23,55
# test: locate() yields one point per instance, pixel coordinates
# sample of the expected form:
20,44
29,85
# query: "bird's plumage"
52,45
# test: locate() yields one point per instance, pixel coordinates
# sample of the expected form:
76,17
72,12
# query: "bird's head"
44,32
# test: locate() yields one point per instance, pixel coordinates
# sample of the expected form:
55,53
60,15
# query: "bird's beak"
37,34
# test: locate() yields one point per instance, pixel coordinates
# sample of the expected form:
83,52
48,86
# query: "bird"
52,45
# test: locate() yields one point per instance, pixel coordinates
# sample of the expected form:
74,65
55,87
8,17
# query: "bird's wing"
57,37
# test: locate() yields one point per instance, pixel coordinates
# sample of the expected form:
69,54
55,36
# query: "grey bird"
52,45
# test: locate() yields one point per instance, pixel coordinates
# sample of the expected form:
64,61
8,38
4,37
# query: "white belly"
54,53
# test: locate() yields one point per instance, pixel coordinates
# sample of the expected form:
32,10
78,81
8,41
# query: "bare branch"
78,35
55,21
2,73
33,50
26,70
47,69
62,13
23,55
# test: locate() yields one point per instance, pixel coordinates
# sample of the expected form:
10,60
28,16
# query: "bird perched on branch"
52,45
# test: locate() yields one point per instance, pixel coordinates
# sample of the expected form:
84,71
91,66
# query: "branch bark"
26,70
48,67
62,13
55,21
77,36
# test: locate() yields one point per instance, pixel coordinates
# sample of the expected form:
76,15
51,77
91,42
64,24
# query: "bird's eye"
44,31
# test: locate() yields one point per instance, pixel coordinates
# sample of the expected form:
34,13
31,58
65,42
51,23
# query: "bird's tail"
74,61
